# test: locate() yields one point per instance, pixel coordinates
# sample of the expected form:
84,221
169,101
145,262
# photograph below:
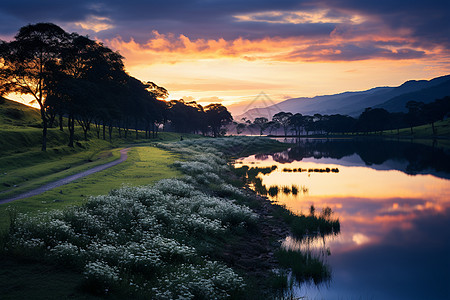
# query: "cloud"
339,46
352,52
148,32
96,23
299,17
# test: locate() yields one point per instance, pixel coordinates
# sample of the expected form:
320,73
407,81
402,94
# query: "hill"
353,103
426,95
15,114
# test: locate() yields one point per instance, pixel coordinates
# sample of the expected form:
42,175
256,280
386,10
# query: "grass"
305,267
38,280
25,171
27,167
23,166
442,129
145,165
13,114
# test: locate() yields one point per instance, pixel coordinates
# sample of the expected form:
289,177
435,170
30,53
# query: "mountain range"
392,99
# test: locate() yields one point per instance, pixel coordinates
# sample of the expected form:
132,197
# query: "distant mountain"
426,95
353,103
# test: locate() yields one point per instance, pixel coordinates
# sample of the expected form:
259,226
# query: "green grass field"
23,166
145,165
442,129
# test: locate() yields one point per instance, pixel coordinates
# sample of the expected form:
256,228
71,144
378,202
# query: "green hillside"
13,114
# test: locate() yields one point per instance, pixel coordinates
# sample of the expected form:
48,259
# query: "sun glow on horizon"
238,70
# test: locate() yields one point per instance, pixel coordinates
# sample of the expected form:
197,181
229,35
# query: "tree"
261,123
296,121
272,125
157,91
308,123
240,127
217,116
338,123
413,117
86,74
283,118
187,116
436,111
374,119
24,64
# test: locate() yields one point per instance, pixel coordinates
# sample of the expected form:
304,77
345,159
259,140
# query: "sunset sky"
230,51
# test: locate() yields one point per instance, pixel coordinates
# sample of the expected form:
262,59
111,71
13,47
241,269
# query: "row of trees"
371,120
77,79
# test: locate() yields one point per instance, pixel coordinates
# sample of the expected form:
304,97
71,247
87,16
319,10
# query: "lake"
393,202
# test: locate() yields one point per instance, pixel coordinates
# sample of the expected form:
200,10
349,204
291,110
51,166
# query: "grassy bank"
197,237
23,166
422,132
14,114
145,165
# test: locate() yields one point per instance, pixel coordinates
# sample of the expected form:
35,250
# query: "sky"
231,51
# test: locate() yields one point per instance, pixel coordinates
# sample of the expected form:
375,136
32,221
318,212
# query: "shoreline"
248,246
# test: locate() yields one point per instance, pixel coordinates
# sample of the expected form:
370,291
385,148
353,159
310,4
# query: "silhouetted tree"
283,118
261,124
296,121
308,124
373,119
240,127
25,60
436,111
217,116
413,117
339,123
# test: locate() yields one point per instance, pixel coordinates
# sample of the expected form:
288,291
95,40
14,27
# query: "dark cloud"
427,20
214,19
351,52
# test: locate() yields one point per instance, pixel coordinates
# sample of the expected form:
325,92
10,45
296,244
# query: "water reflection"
408,157
395,237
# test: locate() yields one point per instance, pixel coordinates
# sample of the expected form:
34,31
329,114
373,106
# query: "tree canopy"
75,78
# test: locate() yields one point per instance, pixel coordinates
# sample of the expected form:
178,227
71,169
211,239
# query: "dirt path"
63,181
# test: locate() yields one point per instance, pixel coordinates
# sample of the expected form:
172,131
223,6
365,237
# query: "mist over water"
393,202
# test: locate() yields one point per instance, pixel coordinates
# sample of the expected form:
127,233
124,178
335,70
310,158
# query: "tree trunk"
61,122
104,129
71,125
44,135
44,130
110,129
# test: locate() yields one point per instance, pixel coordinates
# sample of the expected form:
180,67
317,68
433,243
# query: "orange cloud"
343,44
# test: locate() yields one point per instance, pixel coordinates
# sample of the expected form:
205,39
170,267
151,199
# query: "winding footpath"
66,180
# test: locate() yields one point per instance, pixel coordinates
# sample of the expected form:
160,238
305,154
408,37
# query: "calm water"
393,202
